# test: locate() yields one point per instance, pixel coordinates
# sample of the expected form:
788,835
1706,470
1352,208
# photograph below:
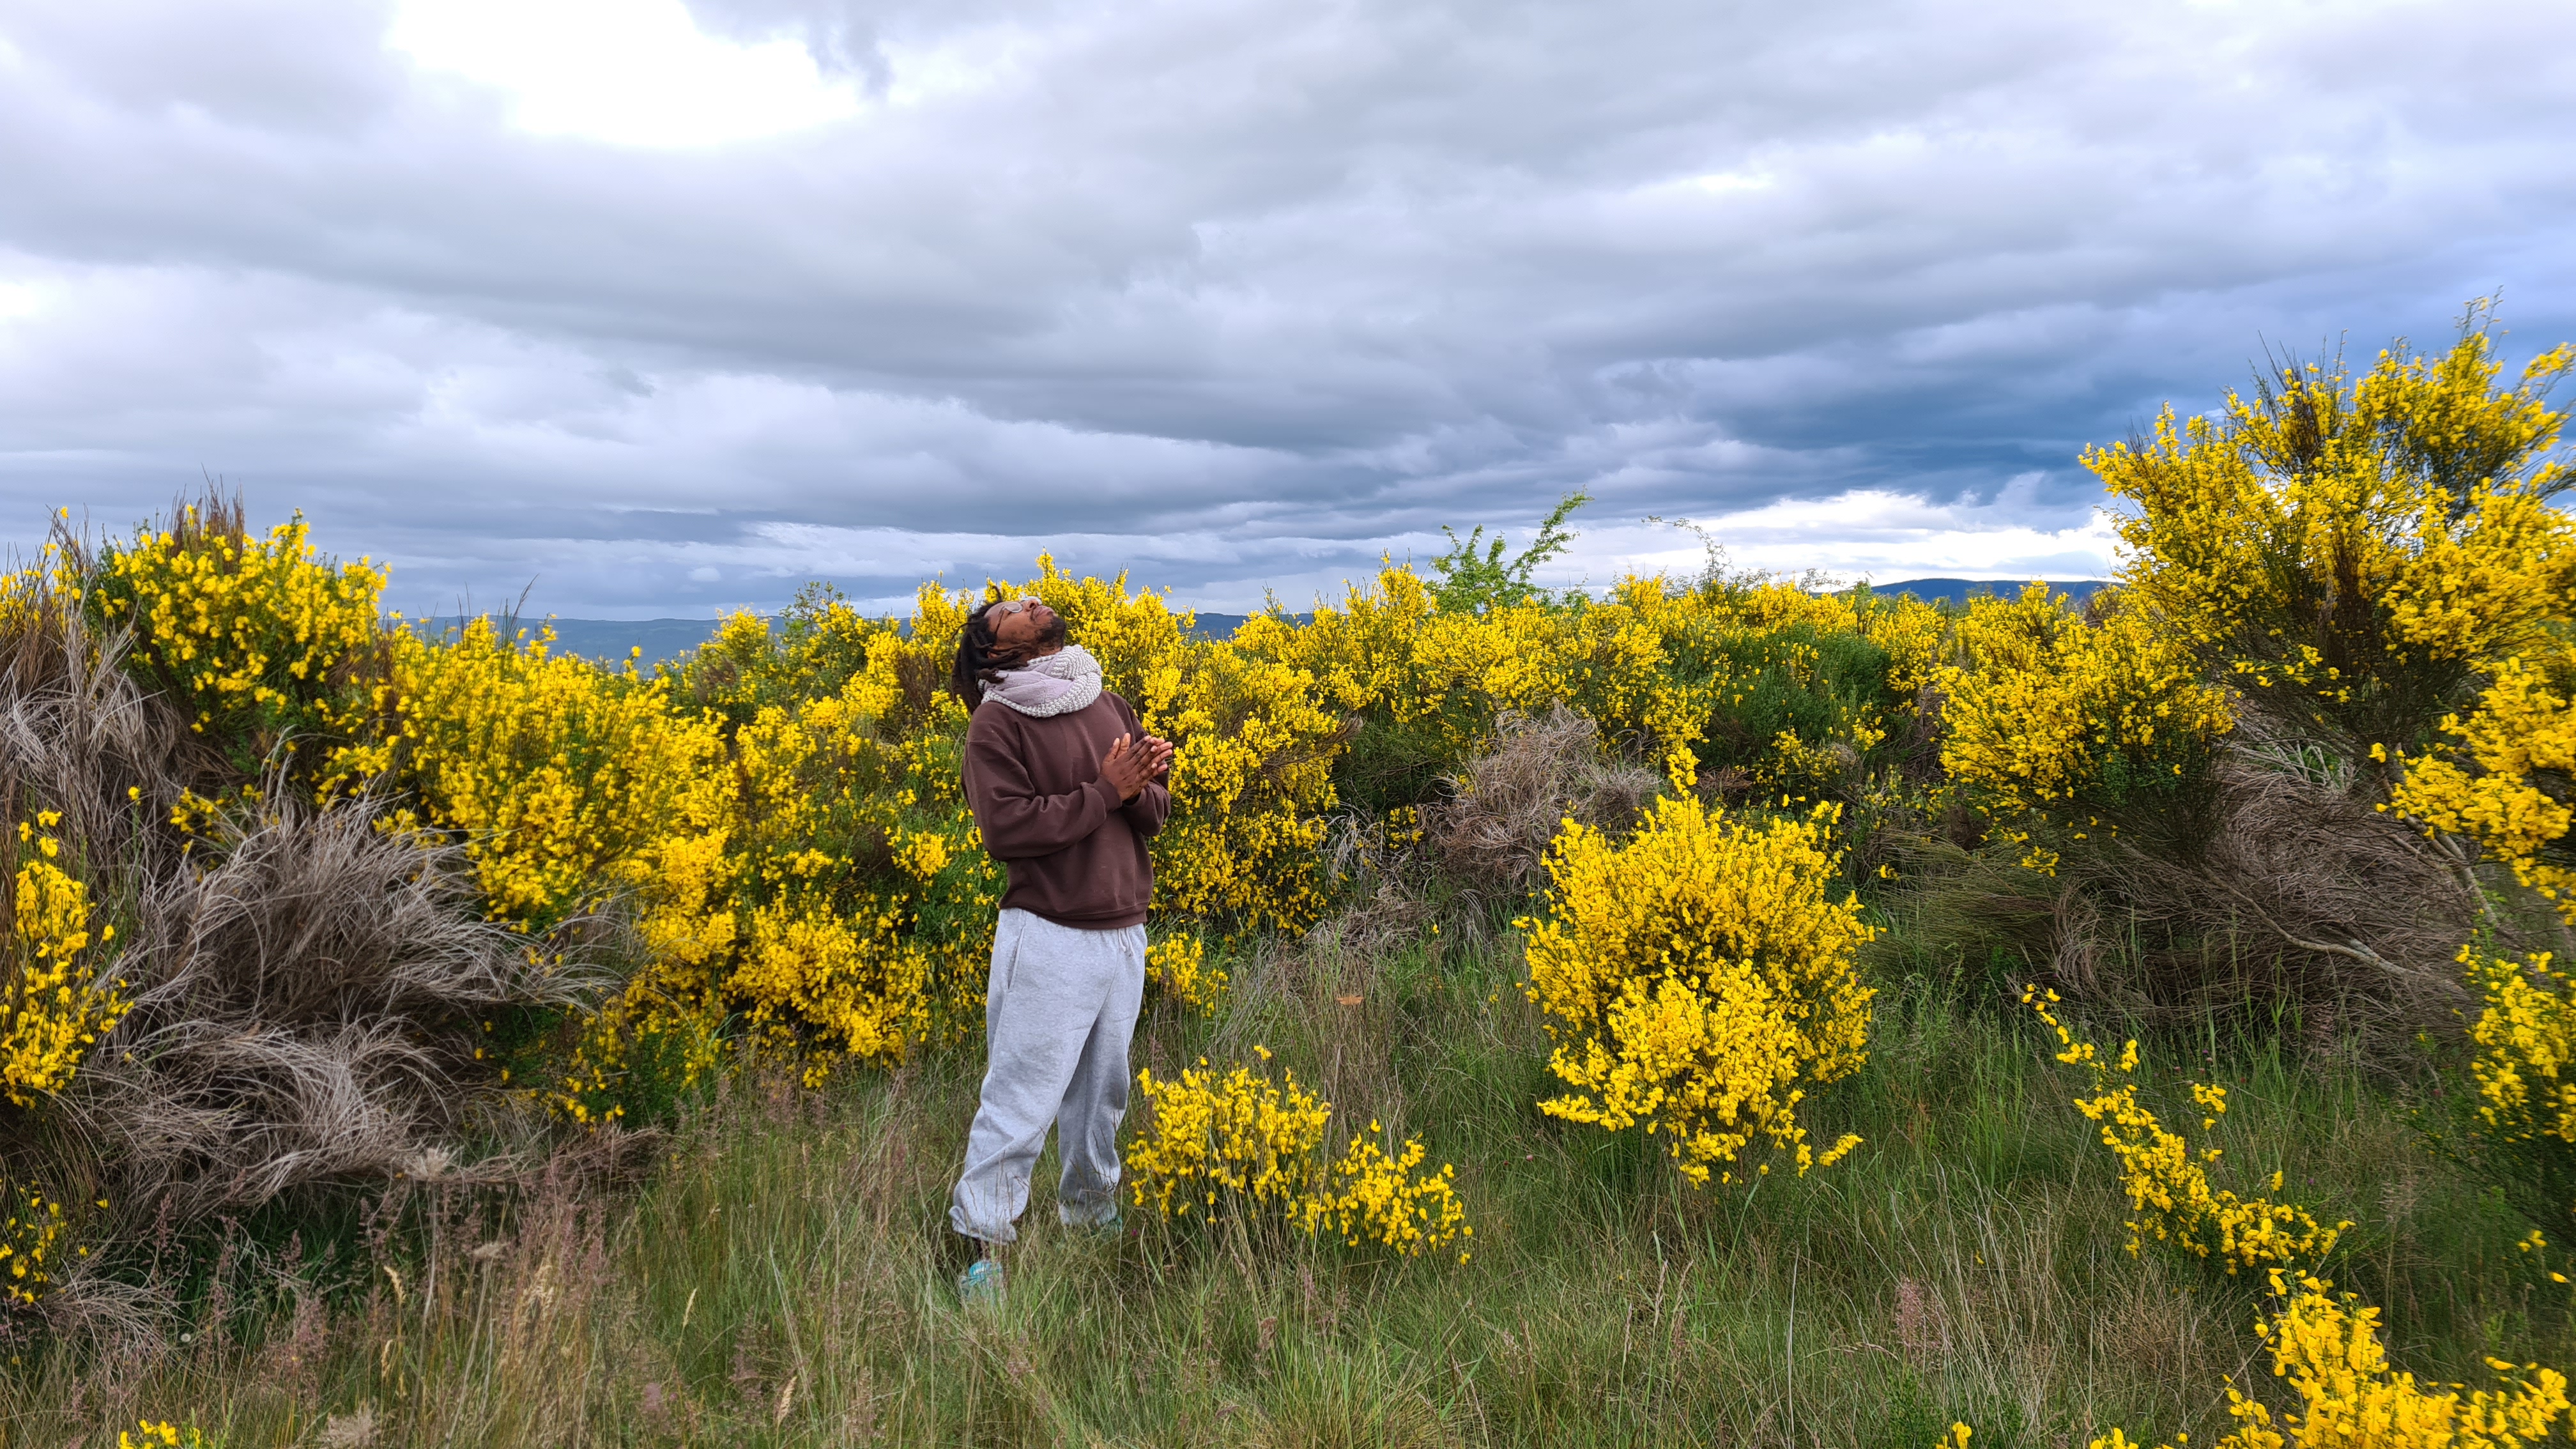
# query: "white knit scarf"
1050,684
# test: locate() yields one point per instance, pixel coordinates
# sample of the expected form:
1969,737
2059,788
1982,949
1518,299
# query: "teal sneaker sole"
981,1284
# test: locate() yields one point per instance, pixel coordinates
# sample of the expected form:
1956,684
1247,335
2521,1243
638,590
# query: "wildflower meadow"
1677,1011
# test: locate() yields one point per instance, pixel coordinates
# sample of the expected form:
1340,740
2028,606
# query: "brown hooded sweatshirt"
1076,856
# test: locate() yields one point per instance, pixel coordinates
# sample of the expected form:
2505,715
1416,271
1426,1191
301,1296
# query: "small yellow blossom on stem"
2168,1183
54,1002
27,1247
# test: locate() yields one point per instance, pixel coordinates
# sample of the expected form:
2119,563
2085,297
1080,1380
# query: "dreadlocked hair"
976,664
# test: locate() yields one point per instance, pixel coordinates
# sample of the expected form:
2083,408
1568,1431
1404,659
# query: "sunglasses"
1007,607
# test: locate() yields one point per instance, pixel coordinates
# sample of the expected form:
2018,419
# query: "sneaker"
981,1284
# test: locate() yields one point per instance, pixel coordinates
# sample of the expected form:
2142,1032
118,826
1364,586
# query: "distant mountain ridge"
611,641
1959,591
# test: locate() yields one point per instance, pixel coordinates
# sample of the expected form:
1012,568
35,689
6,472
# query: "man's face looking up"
1025,629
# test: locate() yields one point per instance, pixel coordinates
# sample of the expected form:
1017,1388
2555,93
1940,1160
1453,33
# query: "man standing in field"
1066,787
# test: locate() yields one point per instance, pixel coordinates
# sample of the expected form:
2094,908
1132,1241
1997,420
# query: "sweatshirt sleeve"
1146,813
1153,805
1017,822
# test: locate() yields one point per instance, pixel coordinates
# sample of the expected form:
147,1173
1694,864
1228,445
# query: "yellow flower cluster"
2053,720
2350,549
2526,1039
1232,1142
2328,1351
1241,1143
161,1434
25,1244
56,1002
1176,967
1699,980
565,782
2168,1184
2520,738
569,787
1375,1200
259,638
1655,664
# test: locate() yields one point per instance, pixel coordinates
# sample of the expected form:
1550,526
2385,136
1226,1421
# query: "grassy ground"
775,1275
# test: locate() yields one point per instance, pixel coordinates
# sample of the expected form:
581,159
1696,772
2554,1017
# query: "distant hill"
1959,591
609,640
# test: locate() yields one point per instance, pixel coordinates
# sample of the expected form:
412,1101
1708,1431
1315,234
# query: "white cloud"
1874,536
631,72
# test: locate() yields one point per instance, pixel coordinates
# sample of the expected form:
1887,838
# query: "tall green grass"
774,1271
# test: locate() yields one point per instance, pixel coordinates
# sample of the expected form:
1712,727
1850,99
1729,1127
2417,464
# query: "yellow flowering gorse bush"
2056,721
2352,551
2525,1067
2328,1353
259,638
1176,968
1238,1143
1699,980
2168,1183
2505,777
1653,665
1235,1141
1375,1200
56,1002
779,817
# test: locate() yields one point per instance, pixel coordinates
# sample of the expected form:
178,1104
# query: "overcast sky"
658,308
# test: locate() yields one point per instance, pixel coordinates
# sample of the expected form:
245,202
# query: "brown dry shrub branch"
2298,897
1491,833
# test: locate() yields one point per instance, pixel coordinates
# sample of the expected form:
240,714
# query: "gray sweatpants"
1058,1014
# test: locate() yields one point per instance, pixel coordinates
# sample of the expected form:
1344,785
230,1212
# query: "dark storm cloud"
1239,293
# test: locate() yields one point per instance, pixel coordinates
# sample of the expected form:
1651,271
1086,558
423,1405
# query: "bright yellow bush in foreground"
1241,1144
2328,1352
54,1004
1236,1141
1699,980
2168,1184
